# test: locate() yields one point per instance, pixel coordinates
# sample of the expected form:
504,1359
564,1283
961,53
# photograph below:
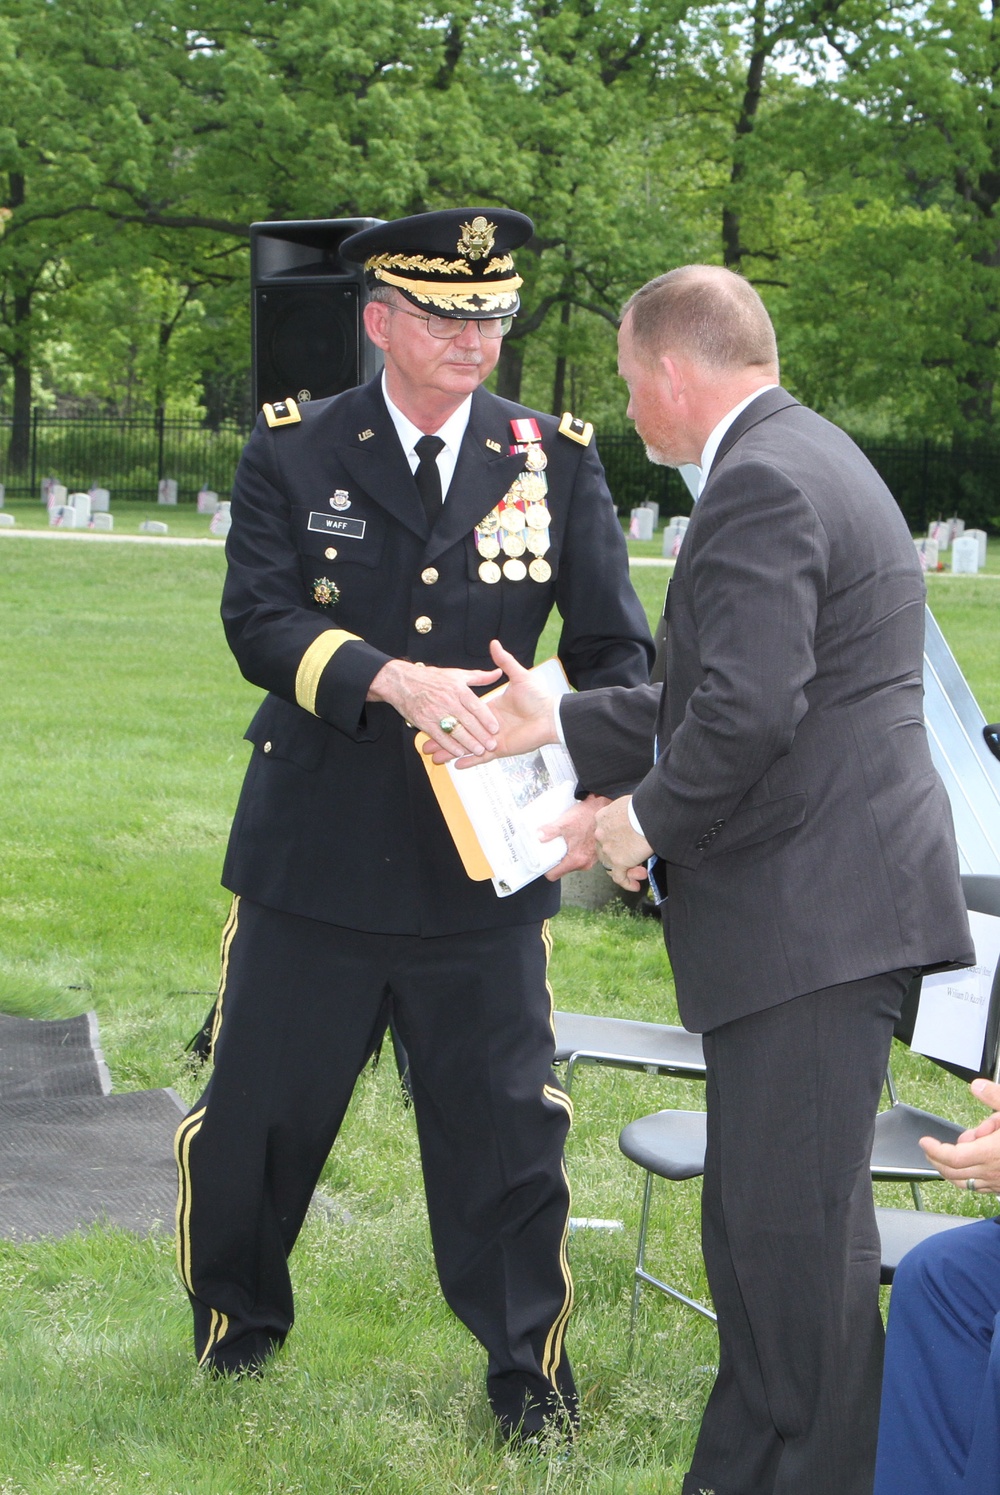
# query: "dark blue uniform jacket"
336,820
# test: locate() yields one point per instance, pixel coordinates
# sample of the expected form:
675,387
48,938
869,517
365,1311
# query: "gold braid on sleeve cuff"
314,661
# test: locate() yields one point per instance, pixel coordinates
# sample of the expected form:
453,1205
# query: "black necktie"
428,477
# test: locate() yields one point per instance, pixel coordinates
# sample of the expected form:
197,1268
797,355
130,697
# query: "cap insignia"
476,238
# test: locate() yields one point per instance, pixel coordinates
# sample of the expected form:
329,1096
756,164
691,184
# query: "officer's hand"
425,696
577,829
524,714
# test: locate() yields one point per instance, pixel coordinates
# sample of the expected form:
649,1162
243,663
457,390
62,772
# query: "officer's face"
419,366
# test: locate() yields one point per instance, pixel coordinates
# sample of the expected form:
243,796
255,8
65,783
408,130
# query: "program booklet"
496,810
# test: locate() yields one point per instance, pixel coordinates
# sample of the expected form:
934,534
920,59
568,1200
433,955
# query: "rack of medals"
513,538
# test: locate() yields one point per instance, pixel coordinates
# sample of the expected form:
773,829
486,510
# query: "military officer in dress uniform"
379,541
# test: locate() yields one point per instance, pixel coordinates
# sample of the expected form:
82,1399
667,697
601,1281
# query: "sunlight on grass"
123,759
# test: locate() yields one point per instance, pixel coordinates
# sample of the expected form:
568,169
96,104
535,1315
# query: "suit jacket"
807,837
336,819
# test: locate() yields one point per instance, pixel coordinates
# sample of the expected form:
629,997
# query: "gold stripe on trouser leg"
547,942
552,1354
228,934
216,1333
186,1133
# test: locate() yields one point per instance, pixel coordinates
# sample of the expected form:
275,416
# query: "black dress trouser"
302,1007
791,1244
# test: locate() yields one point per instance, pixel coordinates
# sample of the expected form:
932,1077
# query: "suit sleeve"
757,575
605,638
280,643
610,736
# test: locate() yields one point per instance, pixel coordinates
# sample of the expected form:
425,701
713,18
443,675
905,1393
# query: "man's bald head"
705,314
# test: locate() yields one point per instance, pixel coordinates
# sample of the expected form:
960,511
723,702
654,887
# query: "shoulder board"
576,429
282,413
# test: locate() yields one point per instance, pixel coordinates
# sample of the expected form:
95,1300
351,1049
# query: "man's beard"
660,459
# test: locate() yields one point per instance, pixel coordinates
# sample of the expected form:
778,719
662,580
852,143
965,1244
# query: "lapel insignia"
494,446
366,435
576,429
341,500
282,413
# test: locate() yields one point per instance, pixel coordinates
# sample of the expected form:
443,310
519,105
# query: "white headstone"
6,521
673,534
641,524
940,530
207,501
957,526
927,550
81,503
166,492
965,555
46,490
654,509
221,521
153,527
100,500
63,516
3,494
102,521
57,495
980,535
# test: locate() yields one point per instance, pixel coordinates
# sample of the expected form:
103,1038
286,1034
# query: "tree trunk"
510,369
559,377
19,451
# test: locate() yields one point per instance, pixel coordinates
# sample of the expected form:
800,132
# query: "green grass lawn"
123,715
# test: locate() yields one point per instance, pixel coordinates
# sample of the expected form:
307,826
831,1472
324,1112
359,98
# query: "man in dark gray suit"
788,803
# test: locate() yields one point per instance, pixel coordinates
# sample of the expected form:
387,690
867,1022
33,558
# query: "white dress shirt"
451,433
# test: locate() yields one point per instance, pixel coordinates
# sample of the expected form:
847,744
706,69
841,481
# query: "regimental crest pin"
341,500
325,593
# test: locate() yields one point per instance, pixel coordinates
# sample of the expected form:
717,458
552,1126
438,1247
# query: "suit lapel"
371,453
482,474
764,406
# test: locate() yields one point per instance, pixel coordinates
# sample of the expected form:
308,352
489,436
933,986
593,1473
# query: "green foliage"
844,156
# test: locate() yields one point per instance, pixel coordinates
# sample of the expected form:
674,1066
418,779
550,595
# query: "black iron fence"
928,481
129,457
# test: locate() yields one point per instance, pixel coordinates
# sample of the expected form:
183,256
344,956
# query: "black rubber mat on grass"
71,1155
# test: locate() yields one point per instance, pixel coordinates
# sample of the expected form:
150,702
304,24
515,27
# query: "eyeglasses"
450,327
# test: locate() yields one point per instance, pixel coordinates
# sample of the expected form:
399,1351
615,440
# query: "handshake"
521,719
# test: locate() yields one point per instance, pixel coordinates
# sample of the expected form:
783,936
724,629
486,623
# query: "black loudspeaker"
307,334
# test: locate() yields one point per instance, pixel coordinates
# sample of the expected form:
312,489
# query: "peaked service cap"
456,262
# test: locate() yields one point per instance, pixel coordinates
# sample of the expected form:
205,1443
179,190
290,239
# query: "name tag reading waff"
334,524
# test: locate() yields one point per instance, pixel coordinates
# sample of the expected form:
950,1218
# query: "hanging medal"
524,511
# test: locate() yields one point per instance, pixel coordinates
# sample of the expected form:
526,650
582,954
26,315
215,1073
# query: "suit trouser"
302,1006
940,1427
791,1245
